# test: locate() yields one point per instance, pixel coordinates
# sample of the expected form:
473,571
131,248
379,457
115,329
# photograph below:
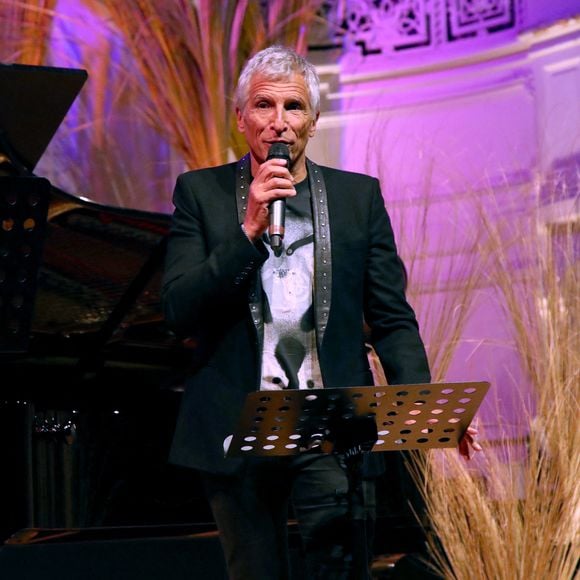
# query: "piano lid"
33,103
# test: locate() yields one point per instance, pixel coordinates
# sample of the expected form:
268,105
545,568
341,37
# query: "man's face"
277,111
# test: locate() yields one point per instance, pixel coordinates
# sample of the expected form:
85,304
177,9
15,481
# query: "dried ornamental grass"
24,30
515,514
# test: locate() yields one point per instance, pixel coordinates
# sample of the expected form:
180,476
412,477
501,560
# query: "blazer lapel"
322,250
243,179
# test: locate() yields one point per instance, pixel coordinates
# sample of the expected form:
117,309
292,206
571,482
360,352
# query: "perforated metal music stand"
351,421
23,212
421,416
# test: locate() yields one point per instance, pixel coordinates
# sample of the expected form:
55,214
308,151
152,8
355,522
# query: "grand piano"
90,376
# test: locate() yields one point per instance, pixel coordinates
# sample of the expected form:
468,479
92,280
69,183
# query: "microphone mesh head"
279,151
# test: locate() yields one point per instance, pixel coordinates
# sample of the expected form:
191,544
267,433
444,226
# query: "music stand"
351,421
33,103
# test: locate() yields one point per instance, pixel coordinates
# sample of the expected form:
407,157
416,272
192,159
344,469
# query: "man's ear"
240,120
313,126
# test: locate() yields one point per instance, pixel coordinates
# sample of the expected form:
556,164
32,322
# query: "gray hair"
278,63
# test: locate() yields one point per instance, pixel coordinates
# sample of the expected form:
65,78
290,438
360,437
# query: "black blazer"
211,292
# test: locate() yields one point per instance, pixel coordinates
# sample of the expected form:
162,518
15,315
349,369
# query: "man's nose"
279,121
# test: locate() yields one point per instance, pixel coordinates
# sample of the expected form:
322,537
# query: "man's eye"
294,107
262,105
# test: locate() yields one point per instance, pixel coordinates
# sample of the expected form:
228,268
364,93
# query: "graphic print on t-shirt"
289,357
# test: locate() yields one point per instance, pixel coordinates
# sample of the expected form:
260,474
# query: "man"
276,320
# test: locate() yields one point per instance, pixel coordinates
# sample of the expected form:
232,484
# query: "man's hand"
468,443
272,181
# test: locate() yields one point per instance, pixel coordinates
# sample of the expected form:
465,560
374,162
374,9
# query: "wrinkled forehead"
290,86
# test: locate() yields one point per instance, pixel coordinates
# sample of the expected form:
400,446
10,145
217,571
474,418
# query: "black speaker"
112,554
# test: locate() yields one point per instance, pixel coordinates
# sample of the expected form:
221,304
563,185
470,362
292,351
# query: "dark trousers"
251,511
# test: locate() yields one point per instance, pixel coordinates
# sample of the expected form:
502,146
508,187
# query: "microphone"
278,206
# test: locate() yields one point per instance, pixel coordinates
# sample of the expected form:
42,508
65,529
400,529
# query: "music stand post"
352,421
